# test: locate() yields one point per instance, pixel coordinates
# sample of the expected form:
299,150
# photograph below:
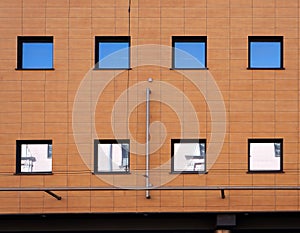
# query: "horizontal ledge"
111,69
253,68
152,188
205,68
33,69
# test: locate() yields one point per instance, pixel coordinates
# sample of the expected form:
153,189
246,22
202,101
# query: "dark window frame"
266,39
178,39
19,144
110,141
266,140
112,39
32,39
198,140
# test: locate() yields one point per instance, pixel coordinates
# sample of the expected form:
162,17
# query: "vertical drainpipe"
148,92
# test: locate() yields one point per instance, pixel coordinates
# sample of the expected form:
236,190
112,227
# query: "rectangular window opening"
35,53
112,52
265,52
33,156
188,155
112,156
189,52
265,155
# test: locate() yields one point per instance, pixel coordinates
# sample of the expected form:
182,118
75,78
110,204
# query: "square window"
112,52
265,52
189,52
35,52
265,155
188,155
111,156
34,156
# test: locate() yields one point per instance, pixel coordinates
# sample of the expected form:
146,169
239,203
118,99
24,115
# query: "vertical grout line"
229,75
45,79
136,80
275,99
275,76
184,81
298,105
92,142
115,13
252,107
206,108
45,72
21,125
160,94
68,110
183,85
113,124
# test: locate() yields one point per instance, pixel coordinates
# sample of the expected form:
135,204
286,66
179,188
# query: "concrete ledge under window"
263,172
35,69
189,68
112,69
32,173
249,68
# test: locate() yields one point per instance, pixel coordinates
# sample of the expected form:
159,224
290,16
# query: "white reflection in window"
265,156
189,156
36,158
113,157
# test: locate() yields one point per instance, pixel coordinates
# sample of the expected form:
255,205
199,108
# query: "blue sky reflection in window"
113,55
265,55
265,52
189,55
37,55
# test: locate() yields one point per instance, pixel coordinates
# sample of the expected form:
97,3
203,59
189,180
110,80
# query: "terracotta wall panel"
259,103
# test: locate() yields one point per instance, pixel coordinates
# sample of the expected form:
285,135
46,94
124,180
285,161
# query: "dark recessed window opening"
33,156
35,53
265,52
189,52
111,156
265,155
188,155
112,52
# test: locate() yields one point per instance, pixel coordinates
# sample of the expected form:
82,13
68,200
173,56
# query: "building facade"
150,106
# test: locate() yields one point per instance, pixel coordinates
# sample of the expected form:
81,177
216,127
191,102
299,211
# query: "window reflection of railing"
28,160
197,162
118,159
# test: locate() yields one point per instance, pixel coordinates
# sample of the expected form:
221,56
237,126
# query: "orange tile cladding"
40,104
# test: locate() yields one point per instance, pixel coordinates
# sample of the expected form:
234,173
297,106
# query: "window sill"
189,172
263,172
189,68
32,173
250,68
111,173
35,69
112,69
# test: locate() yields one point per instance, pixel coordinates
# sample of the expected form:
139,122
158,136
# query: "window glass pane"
265,55
189,157
189,55
265,156
114,55
36,158
113,157
37,55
